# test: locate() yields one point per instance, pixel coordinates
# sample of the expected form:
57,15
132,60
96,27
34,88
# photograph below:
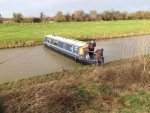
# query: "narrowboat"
75,49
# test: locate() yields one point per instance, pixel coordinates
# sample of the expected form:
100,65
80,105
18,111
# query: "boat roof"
69,41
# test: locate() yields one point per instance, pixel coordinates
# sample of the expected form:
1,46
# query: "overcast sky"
50,7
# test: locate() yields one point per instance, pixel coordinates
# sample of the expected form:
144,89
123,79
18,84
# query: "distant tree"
42,16
106,15
93,15
36,20
28,20
141,15
99,17
68,17
1,20
124,15
51,18
18,17
78,15
129,16
134,16
87,17
117,15
146,15
59,17
113,15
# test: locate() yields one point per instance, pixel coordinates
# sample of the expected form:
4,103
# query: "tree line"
81,16
19,18
93,15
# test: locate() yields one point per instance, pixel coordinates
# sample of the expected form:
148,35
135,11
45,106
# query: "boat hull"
70,55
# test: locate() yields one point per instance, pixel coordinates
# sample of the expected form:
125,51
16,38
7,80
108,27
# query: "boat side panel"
71,51
70,54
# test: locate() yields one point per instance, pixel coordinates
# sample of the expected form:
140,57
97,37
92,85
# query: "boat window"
71,48
49,40
64,46
55,42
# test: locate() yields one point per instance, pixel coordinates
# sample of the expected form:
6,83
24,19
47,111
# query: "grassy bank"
121,86
27,34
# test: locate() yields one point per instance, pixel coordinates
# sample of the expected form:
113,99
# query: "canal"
26,62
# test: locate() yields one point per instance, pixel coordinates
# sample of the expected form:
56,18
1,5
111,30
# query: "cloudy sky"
50,7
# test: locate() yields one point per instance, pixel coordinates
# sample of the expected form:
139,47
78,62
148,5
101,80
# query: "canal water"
21,63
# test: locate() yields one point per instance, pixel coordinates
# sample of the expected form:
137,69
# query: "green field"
13,33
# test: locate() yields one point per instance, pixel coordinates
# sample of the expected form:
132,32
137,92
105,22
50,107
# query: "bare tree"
59,17
68,17
99,17
78,15
87,17
42,16
124,15
112,15
18,17
93,15
141,15
108,15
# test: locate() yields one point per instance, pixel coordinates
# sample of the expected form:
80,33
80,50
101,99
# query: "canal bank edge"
36,43
117,82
